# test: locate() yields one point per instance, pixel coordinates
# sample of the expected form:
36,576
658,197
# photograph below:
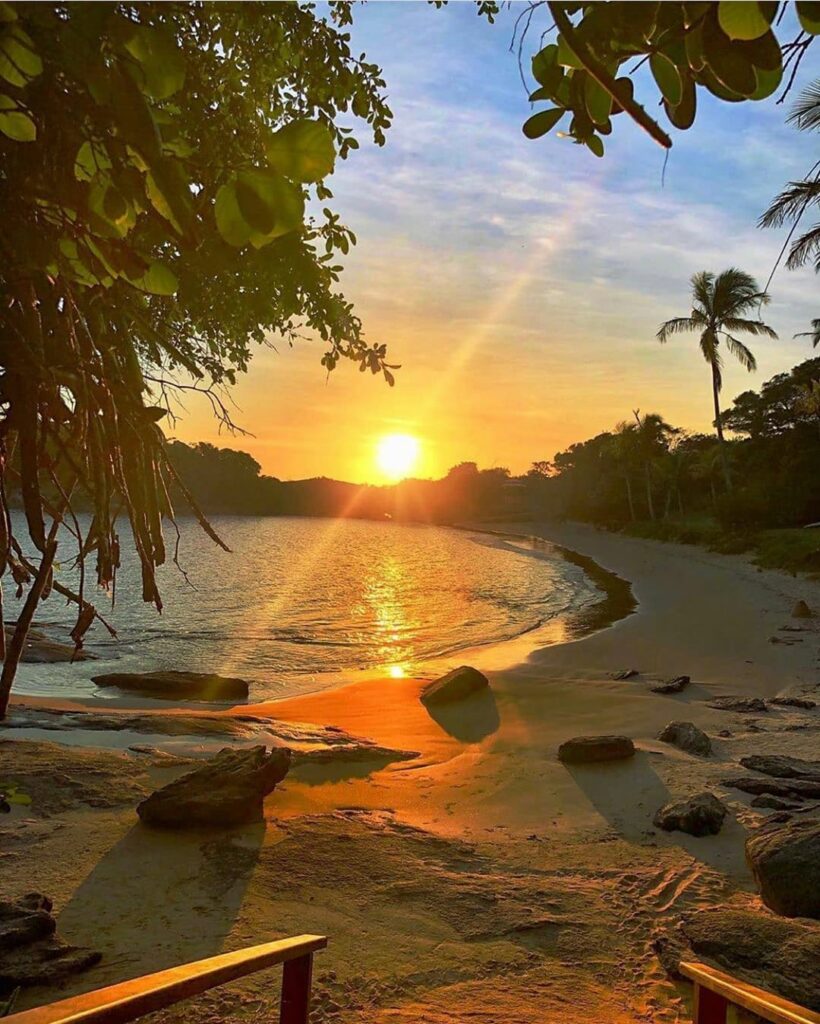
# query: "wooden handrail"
714,991
129,1000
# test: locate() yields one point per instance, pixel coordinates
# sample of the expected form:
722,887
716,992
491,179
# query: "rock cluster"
745,705
671,685
30,951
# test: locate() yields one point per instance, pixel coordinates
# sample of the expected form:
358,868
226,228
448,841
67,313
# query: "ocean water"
299,604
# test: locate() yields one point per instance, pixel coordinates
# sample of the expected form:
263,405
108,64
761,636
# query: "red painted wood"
296,981
710,1008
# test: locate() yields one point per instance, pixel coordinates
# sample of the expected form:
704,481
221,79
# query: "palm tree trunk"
714,494
719,428
649,503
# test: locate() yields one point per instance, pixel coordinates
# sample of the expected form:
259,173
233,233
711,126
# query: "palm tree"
652,434
719,308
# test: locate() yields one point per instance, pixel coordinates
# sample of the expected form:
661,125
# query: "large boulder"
456,685
40,649
177,685
688,737
227,790
774,954
781,766
586,749
745,705
801,611
785,861
30,951
700,815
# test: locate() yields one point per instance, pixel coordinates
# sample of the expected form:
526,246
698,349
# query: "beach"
461,872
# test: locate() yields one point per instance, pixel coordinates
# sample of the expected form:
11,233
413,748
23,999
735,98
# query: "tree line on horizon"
644,469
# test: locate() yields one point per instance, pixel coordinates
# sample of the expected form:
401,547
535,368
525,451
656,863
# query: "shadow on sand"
158,898
470,720
628,793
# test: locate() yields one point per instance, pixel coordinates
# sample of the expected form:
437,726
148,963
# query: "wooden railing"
715,992
132,999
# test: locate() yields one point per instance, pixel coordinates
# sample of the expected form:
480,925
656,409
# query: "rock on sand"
785,861
456,685
586,749
177,685
700,815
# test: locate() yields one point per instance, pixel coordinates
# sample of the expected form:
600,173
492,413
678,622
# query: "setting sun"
397,454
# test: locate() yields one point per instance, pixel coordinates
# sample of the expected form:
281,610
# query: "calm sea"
300,603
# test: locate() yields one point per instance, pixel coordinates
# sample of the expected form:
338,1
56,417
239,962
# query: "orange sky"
518,283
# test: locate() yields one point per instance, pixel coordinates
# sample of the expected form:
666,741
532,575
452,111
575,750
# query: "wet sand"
480,879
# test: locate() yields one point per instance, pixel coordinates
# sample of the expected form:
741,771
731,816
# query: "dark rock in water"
456,685
30,952
803,788
785,861
176,685
774,803
794,702
700,815
586,749
801,611
671,685
625,673
774,954
781,766
229,789
40,649
741,704
688,737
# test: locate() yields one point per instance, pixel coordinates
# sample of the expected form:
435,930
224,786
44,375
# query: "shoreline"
480,878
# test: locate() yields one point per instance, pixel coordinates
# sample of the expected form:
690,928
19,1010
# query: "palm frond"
755,327
814,333
744,355
807,246
805,113
790,204
679,325
703,288
709,346
735,291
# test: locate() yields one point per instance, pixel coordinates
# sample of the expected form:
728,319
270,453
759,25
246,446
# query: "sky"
520,283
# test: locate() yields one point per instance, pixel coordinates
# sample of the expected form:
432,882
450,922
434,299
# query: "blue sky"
520,283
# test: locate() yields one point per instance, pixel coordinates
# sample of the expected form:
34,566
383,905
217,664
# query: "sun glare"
397,454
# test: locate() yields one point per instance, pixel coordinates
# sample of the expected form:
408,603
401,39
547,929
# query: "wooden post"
710,1008
296,980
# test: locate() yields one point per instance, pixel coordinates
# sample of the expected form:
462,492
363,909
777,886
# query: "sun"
397,454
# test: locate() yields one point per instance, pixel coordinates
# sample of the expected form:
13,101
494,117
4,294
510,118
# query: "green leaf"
809,16
15,123
275,201
161,62
302,150
596,144
729,63
740,19
542,122
7,12
682,115
566,57
545,69
598,101
693,44
19,60
91,158
767,83
764,52
158,280
667,78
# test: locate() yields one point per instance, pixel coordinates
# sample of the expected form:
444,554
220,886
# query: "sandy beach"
461,872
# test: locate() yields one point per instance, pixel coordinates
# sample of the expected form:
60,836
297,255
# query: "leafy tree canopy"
156,164
591,53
